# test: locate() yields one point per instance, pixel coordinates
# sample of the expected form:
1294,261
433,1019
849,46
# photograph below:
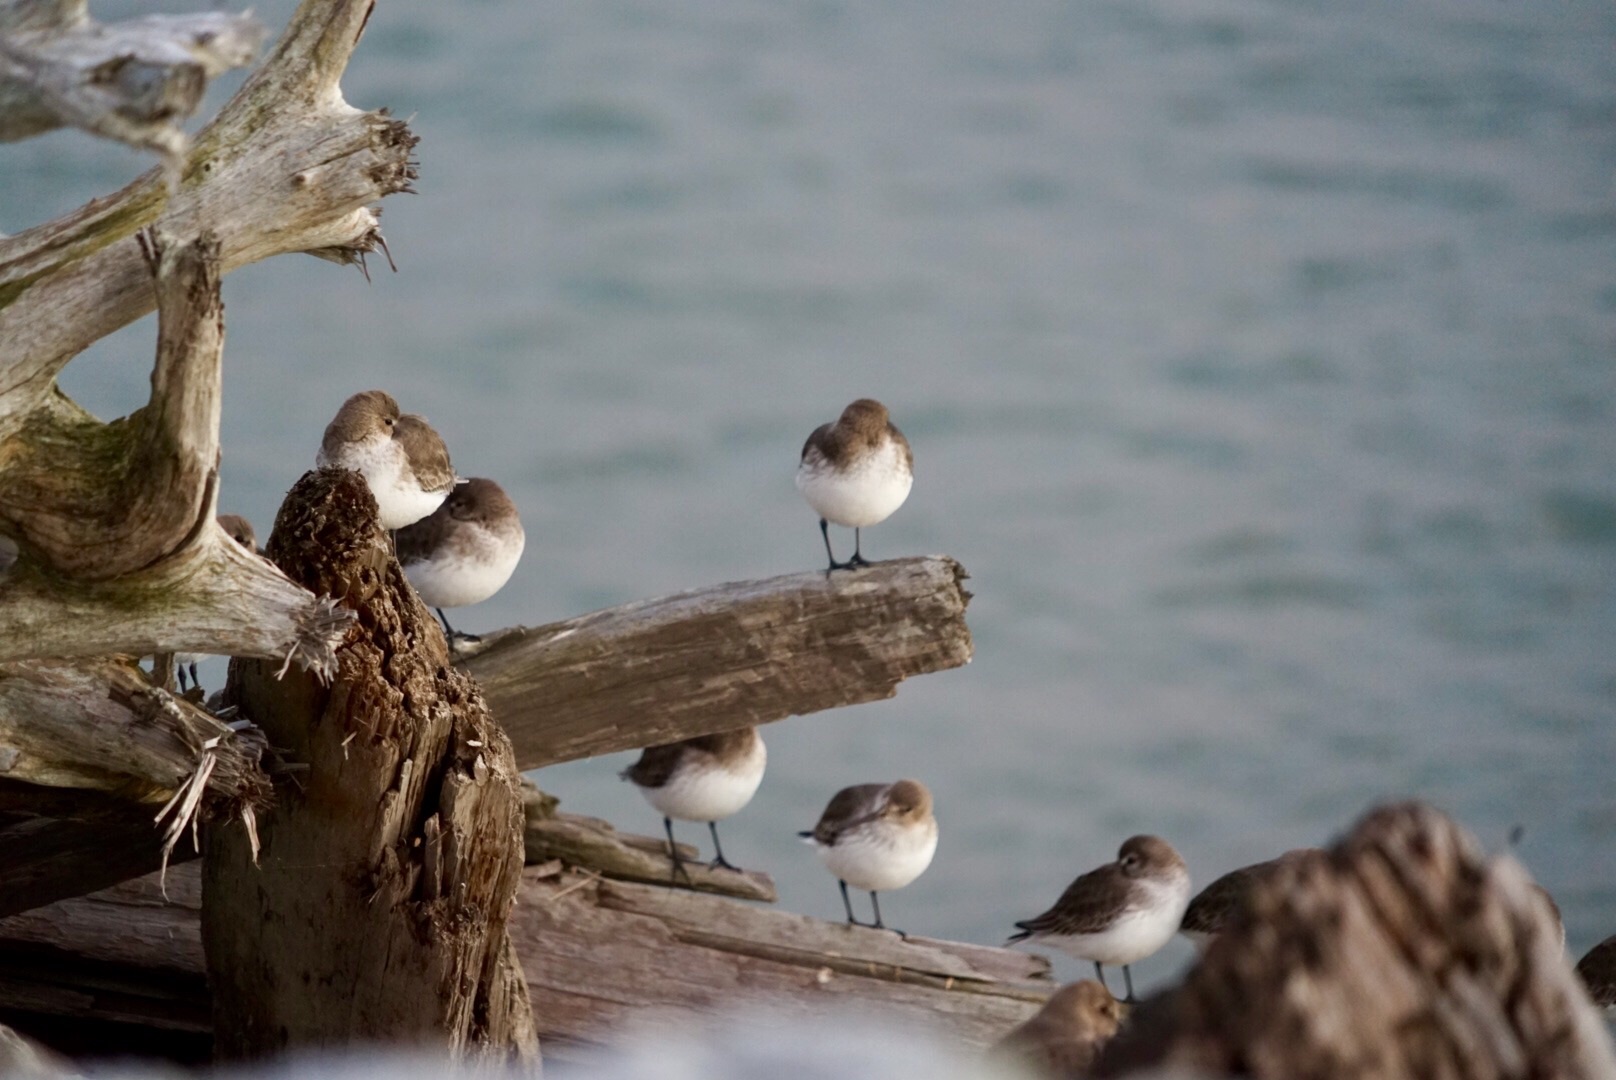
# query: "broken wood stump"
1403,952
373,903
595,952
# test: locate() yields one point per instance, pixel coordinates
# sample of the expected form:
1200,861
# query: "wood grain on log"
1402,953
376,908
721,658
595,954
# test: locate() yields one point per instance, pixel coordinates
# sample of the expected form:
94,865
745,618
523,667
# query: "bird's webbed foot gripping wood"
388,870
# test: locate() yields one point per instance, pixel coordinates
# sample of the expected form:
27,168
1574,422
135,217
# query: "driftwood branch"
721,658
595,953
591,844
132,81
119,548
1402,953
89,755
286,166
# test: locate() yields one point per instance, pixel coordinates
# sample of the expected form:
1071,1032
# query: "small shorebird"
1067,1034
241,531
707,778
400,456
1598,971
1119,913
876,837
1214,905
465,550
855,472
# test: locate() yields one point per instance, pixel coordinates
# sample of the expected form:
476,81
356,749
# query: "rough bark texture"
388,869
721,658
1402,953
596,953
133,81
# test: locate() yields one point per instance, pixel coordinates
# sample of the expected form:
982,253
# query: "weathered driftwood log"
102,774
720,658
592,844
1402,952
377,906
133,81
287,166
595,953
119,548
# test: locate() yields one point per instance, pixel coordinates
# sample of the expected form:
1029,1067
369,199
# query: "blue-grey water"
1257,359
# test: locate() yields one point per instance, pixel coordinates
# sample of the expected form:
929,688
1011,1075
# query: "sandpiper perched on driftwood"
241,531
1119,913
1214,905
402,459
465,550
707,778
855,472
876,837
1067,1034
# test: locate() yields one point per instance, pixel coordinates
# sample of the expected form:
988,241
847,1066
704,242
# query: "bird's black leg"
673,853
848,904
824,530
179,675
196,682
1127,978
720,862
1099,973
453,634
858,558
875,903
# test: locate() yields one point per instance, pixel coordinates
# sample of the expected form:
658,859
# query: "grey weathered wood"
592,844
120,551
287,166
133,81
1402,953
89,754
595,953
720,658
376,906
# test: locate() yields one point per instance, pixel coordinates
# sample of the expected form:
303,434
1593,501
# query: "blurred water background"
1257,357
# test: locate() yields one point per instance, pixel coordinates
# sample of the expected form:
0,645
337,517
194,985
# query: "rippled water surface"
1257,358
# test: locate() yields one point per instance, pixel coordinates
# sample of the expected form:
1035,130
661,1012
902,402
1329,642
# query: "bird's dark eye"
389,421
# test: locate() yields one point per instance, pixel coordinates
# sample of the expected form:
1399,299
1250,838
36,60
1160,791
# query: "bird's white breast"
712,793
866,492
400,499
879,856
458,575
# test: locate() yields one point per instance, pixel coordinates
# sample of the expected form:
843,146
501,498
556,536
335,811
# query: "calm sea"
1257,358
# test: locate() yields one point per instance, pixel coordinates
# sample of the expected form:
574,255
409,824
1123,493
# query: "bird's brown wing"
848,809
655,766
1087,906
821,436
